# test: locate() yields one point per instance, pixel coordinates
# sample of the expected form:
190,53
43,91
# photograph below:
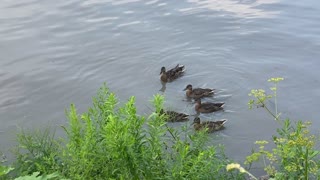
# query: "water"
54,53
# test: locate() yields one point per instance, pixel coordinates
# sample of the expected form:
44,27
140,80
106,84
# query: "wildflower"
235,166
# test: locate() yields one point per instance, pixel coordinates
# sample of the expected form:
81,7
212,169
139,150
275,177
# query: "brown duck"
210,126
173,116
208,107
172,74
198,92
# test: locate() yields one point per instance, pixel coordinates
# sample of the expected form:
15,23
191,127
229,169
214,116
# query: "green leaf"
35,176
5,170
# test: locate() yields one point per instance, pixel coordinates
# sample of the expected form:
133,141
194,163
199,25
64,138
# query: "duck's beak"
192,123
184,89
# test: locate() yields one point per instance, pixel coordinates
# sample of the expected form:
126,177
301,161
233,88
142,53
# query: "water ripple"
241,9
57,52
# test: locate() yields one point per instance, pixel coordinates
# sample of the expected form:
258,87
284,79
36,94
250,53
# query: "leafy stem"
266,108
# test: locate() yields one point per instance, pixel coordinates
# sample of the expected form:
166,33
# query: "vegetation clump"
113,142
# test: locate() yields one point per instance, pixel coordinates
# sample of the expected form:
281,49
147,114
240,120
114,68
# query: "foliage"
4,170
37,176
260,98
37,151
113,142
294,155
233,166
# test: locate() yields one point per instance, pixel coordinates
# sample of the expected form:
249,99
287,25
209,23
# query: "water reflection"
164,86
243,9
113,2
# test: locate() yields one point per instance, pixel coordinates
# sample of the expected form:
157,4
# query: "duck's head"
198,101
189,87
196,120
163,70
161,111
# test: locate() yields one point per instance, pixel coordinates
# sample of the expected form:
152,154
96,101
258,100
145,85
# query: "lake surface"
53,53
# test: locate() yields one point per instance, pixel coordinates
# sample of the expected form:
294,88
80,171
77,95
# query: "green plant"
110,141
117,143
233,166
4,170
37,176
294,155
260,98
36,151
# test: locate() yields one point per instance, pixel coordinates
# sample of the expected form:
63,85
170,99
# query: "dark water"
54,53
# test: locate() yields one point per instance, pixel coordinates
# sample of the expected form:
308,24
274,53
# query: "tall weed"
36,151
110,141
295,155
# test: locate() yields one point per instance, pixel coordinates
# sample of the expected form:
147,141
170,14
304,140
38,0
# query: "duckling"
208,107
173,116
172,74
198,92
211,126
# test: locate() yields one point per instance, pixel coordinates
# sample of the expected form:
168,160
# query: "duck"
172,74
208,107
173,116
198,92
210,126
